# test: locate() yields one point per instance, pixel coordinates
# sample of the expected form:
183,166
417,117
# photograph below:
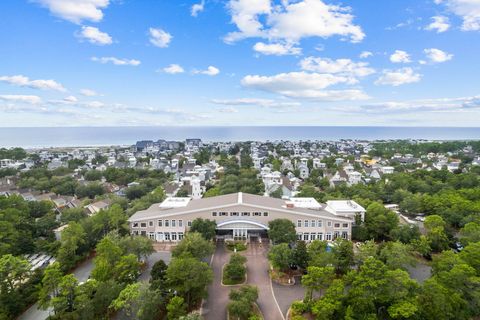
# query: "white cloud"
439,24
70,99
400,56
437,55
88,92
277,49
291,21
160,38
468,10
210,71
95,36
117,61
76,10
227,110
303,85
266,103
94,104
173,69
23,81
30,99
398,77
197,8
365,54
344,67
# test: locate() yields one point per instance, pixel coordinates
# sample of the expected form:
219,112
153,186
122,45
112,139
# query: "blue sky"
239,62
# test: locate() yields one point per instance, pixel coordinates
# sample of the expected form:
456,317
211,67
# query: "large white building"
242,216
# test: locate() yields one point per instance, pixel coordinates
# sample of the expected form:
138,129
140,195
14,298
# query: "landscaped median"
234,272
236,246
243,304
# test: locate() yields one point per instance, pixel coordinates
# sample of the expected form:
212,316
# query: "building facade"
242,216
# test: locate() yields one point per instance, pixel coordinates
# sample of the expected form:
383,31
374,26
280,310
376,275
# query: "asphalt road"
82,272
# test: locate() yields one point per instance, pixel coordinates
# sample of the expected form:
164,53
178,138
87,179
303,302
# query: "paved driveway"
215,307
285,295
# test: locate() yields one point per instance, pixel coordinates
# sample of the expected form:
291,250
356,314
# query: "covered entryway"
240,229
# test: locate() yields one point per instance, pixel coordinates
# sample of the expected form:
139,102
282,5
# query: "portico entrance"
240,229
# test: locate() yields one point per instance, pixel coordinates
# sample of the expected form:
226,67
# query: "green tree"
343,255
189,278
470,233
205,227
193,244
318,254
52,277
176,308
317,279
127,269
280,256
397,255
282,231
72,238
300,255
128,299
64,301
158,274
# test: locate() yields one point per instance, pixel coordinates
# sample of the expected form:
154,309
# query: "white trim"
258,224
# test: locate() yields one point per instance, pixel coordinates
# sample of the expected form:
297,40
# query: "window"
143,233
135,225
265,214
305,223
336,225
328,236
160,236
299,236
135,232
320,236
299,223
174,236
167,236
160,223
244,214
313,236
180,236
151,235
329,223
319,223
222,214
344,235
167,223
345,225
305,236
312,223
234,214
180,223
214,214
143,224
150,223
336,234
174,223
257,214
189,223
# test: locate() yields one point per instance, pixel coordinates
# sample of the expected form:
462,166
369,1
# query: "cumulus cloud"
304,85
76,10
439,24
437,56
400,56
117,61
277,49
70,99
160,38
210,71
468,10
345,67
398,77
88,92
30,99
173,69
227,110
197,8
23,81
365,54
95,36
291,22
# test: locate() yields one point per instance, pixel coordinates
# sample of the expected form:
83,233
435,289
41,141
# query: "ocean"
104,136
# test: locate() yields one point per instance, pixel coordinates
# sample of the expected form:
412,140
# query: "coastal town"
283,212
